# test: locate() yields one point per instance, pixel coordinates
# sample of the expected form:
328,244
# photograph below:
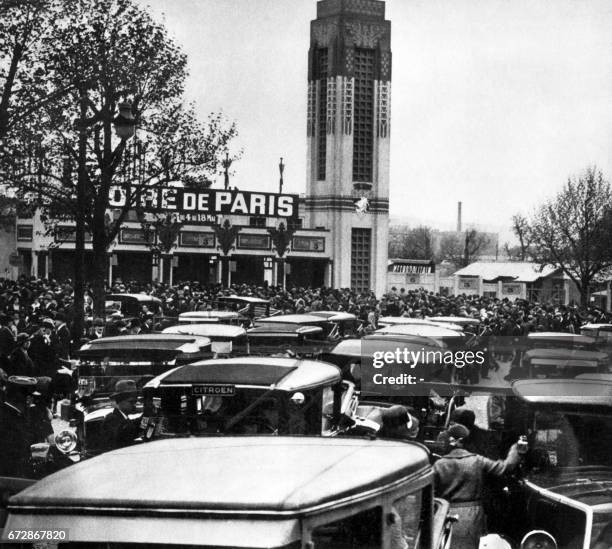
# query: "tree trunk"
584,294
100,269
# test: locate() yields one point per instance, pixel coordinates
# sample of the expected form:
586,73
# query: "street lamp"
125,125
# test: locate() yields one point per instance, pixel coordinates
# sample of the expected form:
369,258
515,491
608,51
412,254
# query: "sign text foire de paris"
212,201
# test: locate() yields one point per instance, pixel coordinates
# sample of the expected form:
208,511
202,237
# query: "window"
406,525
360,531
363,134
360,259
321,75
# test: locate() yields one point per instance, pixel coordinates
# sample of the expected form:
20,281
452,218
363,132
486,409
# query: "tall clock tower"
348,127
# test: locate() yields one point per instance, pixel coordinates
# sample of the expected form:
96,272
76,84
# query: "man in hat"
7,337
460,478
19,361
62,337
397,423
42,348
14,429
119,430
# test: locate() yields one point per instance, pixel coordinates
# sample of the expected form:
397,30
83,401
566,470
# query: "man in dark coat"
19,361
7,338
460,477
42,349
14,428
118,429
62,337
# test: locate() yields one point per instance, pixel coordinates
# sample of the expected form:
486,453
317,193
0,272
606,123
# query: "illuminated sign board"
211,202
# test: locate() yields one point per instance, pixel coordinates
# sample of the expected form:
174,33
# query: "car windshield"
181,411
571,440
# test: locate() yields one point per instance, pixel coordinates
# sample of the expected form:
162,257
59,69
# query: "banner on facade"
211,202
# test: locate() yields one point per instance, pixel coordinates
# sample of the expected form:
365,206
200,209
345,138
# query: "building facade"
348,130
340,238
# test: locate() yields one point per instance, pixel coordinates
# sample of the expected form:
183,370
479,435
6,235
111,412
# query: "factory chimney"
458,217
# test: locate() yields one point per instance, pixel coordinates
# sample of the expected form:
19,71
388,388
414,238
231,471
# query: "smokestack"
458,217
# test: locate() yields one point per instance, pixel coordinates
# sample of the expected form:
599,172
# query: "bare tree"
572,230
414,243
520,228
462,249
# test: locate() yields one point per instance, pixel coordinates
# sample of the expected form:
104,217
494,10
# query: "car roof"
596,325
210,314
574,392
562,337
294,319
206,330
356,348
565,354
422,330
283,374
257,475
138,297
334,316
406,320
142,343
283,329
455,319
246,299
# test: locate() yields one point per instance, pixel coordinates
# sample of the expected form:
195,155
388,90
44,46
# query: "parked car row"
218,462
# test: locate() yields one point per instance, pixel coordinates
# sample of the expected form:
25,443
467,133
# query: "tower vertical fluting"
348,129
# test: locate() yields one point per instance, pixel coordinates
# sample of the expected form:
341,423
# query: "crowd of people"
26,303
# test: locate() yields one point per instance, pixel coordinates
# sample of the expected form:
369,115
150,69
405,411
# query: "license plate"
213,390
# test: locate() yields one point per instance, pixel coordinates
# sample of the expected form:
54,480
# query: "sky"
495,103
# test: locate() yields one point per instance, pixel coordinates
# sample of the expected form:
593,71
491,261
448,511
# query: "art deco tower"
348,126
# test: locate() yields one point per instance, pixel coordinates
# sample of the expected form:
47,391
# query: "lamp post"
281,169
226,165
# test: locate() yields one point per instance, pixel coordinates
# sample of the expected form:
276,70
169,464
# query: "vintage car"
251,307
384,321
330,328
445,336
305,341
225,339
103,362
348,324
601,332
560,355
213,317
566,488
132,305
471,325
247,492
248,395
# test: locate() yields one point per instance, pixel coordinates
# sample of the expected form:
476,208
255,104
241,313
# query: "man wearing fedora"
119,430
42,349
14,428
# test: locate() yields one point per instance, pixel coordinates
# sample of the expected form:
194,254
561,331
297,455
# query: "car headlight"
65,441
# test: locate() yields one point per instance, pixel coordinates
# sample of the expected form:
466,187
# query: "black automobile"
104,362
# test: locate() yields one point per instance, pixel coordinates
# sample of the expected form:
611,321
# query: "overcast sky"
494,102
